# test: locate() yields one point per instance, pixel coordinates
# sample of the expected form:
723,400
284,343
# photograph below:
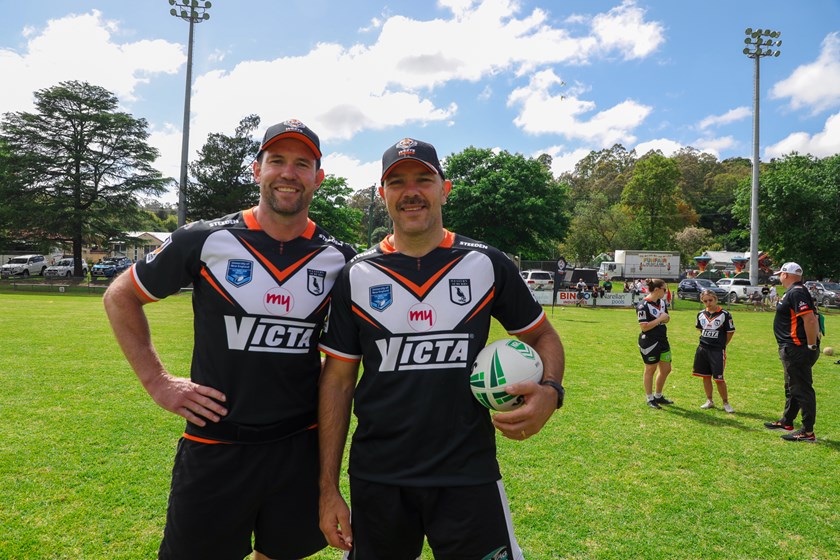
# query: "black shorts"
654,351
709,362
389,522
223,493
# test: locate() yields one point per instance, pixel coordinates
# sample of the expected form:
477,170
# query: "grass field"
85,455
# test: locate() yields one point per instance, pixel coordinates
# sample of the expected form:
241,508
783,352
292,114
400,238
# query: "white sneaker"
728,408
708,404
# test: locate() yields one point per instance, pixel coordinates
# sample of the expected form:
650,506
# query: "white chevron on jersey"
416,308
270,291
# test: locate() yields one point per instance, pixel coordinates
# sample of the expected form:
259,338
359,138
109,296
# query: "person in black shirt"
652,312
416,310
716,330
246,466
796,329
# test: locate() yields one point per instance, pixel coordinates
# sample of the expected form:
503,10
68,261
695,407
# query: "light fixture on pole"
761,43
191,11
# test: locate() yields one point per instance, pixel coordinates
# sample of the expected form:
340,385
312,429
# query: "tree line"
77,170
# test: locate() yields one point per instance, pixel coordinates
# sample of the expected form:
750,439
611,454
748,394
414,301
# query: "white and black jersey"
259,307
647,311
714,326
417,325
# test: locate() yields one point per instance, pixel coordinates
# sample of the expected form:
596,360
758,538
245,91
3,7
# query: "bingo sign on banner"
570,298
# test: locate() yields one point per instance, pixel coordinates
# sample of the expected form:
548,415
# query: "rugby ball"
828,351
502,363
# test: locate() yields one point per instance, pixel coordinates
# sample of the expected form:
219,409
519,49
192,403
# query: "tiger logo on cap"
404,146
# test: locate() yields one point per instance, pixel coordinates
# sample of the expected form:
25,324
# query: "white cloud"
543,110
359,174
715,146
822,144
563,161
667,146
814,86
733,115
81,47
623,28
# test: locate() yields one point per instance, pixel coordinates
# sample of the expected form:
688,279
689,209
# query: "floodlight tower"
192,11
761,43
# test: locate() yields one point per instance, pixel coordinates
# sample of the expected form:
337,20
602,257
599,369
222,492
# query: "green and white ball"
502,363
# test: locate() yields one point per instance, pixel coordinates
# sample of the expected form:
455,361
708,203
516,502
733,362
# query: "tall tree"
799,202
79,165
507,200
223,179
330,209
597,227
651,198
604,171
375,217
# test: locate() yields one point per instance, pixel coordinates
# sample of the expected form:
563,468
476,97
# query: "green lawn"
85,455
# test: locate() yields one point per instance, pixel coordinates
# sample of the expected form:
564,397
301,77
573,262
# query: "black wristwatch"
561,392
812,347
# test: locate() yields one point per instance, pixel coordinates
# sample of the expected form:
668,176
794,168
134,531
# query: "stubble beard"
284,207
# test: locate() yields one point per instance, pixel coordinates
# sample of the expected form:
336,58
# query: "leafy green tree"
223,179
716,212
651,198
79,165
597,227
799,205
374,214
510,201
604,171
329,209
691,241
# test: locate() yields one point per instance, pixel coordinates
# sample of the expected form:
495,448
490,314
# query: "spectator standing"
652,313
796,329
716,328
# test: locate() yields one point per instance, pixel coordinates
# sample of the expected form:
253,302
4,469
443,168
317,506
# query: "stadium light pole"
760,43
191,11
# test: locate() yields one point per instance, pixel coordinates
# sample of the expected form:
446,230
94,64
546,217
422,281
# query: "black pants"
797,362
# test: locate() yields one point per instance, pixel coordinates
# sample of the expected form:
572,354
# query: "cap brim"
297,136
403,160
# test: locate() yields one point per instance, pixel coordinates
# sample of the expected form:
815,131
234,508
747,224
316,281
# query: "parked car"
738,289
110,267
828,293
538,279
24,265
690,288
64,268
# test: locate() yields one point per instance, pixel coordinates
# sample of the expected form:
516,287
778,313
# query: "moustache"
412,201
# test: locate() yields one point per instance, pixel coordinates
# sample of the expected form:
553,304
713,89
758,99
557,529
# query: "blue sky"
556,77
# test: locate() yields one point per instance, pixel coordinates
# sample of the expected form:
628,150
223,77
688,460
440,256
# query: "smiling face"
414,196
287,175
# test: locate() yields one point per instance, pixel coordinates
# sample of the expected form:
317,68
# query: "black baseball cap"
410,149
292,128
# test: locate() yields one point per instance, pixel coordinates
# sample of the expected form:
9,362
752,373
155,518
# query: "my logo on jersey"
279,301
315,281
269,335
435,351
421,317
381,297
239,272
459,292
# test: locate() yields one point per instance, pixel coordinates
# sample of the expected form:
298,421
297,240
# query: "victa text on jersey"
433,351
269,335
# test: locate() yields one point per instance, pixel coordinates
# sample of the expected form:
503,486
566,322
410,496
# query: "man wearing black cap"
416,310
797,332
248,460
